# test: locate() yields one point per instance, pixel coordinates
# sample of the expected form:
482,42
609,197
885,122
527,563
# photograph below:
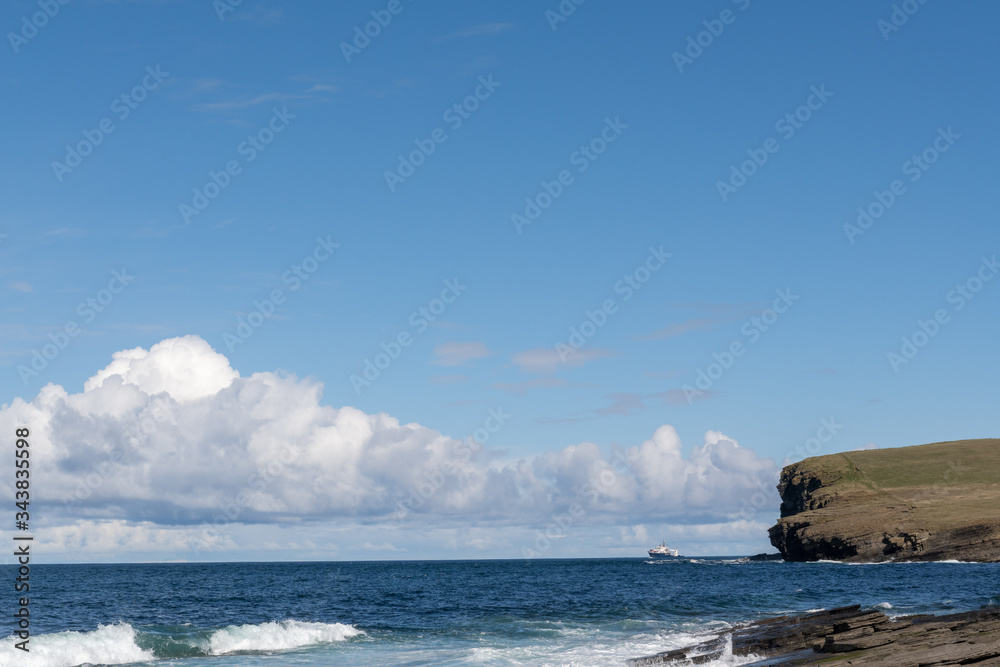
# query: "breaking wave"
278,636
107,645
121,644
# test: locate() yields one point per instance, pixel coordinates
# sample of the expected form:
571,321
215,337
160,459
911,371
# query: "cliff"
930,502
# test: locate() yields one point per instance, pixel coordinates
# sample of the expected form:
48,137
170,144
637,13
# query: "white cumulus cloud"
167,439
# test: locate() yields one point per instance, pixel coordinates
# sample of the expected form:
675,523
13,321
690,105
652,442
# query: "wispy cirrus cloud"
318,82
245,102
547,360
711,315
621,404
395,86
234,97
681,328
679,397
67,232
323,88
665,375
522,388
449,379
261,15
459,354
479,30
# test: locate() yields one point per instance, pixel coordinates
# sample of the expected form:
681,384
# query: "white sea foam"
116,644
883,605
591,649
881,562
733,661
107,645
278,636
727,659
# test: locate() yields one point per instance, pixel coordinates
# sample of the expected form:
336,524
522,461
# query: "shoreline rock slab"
851,636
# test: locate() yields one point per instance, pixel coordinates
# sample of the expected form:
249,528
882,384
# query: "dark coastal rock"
851,636
930,502
761,558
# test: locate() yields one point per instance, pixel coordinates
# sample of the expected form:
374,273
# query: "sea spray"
278,636
107,645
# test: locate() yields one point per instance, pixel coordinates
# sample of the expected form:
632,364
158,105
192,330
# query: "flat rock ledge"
852,636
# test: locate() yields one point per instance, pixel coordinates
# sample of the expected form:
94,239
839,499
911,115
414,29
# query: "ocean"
490,612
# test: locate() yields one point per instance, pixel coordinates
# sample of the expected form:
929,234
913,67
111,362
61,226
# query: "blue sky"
549,92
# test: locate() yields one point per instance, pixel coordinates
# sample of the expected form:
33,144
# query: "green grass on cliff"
942,484
957,463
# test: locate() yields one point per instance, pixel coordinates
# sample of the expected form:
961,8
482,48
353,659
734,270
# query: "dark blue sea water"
517,612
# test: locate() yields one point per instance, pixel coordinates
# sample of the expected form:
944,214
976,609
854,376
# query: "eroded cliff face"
899,504
797,487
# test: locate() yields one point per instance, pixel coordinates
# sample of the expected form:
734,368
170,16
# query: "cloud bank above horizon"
171,440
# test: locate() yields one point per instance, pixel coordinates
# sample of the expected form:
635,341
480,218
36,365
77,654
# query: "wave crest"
107,645
278,636
121,644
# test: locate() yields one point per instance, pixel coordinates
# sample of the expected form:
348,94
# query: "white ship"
663,551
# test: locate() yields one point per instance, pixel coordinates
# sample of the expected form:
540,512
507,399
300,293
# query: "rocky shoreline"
851,636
